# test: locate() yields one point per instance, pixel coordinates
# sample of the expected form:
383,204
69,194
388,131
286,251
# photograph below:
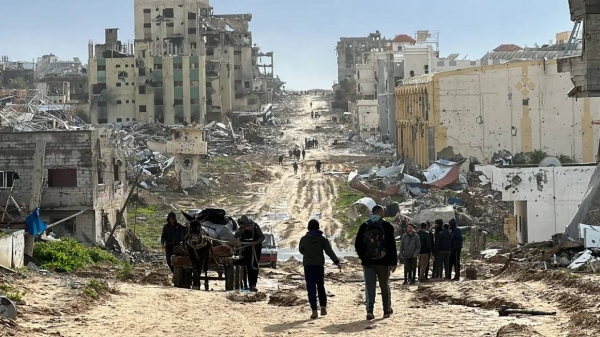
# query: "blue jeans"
315,284
372,273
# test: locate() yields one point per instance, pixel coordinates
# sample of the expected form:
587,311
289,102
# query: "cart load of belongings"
221,227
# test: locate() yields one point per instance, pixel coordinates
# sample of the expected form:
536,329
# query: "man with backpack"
376,248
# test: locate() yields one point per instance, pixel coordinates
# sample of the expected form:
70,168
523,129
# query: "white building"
545,198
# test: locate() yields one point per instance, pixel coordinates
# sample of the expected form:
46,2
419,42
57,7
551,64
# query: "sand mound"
516,330
246,297
464,297
286,300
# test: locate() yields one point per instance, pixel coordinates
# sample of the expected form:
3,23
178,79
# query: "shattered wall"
546,198
368,118
518,107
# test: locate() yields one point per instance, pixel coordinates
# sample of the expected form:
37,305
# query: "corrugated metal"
442,173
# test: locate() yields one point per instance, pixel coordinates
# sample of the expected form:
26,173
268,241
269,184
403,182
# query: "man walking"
172,235
318,166
425,252
443,247
312,246
376,248
458,244
295,166
281,160
303,154
251,237
410,246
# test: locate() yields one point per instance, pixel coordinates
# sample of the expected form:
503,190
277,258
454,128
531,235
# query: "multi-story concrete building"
189,65
52,72
64,173
518,106
351,50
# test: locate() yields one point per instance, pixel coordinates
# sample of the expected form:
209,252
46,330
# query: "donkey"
197,245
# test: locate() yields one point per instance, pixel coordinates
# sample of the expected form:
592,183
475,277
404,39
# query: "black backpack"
374,239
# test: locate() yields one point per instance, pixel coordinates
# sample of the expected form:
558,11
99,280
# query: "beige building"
519,106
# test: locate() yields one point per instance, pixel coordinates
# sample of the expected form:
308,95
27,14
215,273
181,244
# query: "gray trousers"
372,273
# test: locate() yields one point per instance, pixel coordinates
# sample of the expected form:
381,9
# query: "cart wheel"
187,278
178,277
274,264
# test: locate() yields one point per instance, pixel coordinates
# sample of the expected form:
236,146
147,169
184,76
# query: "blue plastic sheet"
35,225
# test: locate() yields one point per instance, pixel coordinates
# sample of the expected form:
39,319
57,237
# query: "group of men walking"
443,244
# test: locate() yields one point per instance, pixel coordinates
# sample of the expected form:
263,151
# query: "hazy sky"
303,34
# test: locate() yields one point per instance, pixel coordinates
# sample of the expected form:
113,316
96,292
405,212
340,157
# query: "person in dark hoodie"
424,253
439,227
376,248
172,235
252,237
312,246
458,244
443,248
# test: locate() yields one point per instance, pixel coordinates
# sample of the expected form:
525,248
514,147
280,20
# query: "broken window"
168,13
146,10
142,71
157,66
116,173
62,178
100,175
142,108
170,24
101,68
525,101
80,85
192,30
178,84
119,120
194,101
237,52
193,45
142,90
7,179
102,120
158,102
157,84
118,66
247,84
102,104
192,16
147,25
178,102
118,84
118,101
237,67
177,66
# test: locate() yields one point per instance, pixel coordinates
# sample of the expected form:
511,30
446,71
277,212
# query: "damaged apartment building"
515,100
62,82
79,176
185,66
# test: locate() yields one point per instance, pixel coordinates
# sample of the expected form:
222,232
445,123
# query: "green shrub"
68,254
11,293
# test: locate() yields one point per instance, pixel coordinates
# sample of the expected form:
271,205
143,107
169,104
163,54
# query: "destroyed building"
516,103
186,65
63,173
16,73
545,198
68,77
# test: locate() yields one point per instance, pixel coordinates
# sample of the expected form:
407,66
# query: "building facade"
545,198
65,172
478,111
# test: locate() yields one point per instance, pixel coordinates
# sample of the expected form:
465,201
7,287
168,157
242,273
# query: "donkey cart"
222,266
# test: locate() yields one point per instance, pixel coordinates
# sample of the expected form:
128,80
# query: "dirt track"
56,306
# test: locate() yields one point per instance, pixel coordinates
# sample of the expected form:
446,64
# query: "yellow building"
516,106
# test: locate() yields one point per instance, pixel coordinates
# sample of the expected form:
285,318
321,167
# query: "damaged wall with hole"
187,144
517,107
80,170
545,198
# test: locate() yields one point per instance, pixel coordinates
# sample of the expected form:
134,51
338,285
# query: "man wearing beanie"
458,244
312,246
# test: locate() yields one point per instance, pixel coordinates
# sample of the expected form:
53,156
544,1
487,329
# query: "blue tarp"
35,225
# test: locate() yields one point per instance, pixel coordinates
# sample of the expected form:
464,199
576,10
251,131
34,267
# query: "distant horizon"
303,36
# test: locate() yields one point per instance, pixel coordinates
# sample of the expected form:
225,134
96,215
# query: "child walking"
312,246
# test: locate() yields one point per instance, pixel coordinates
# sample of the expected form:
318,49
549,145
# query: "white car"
268,256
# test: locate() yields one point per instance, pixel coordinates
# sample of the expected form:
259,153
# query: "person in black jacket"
424,253
439,227
443,247
252,237
172,235
458,244
377,269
